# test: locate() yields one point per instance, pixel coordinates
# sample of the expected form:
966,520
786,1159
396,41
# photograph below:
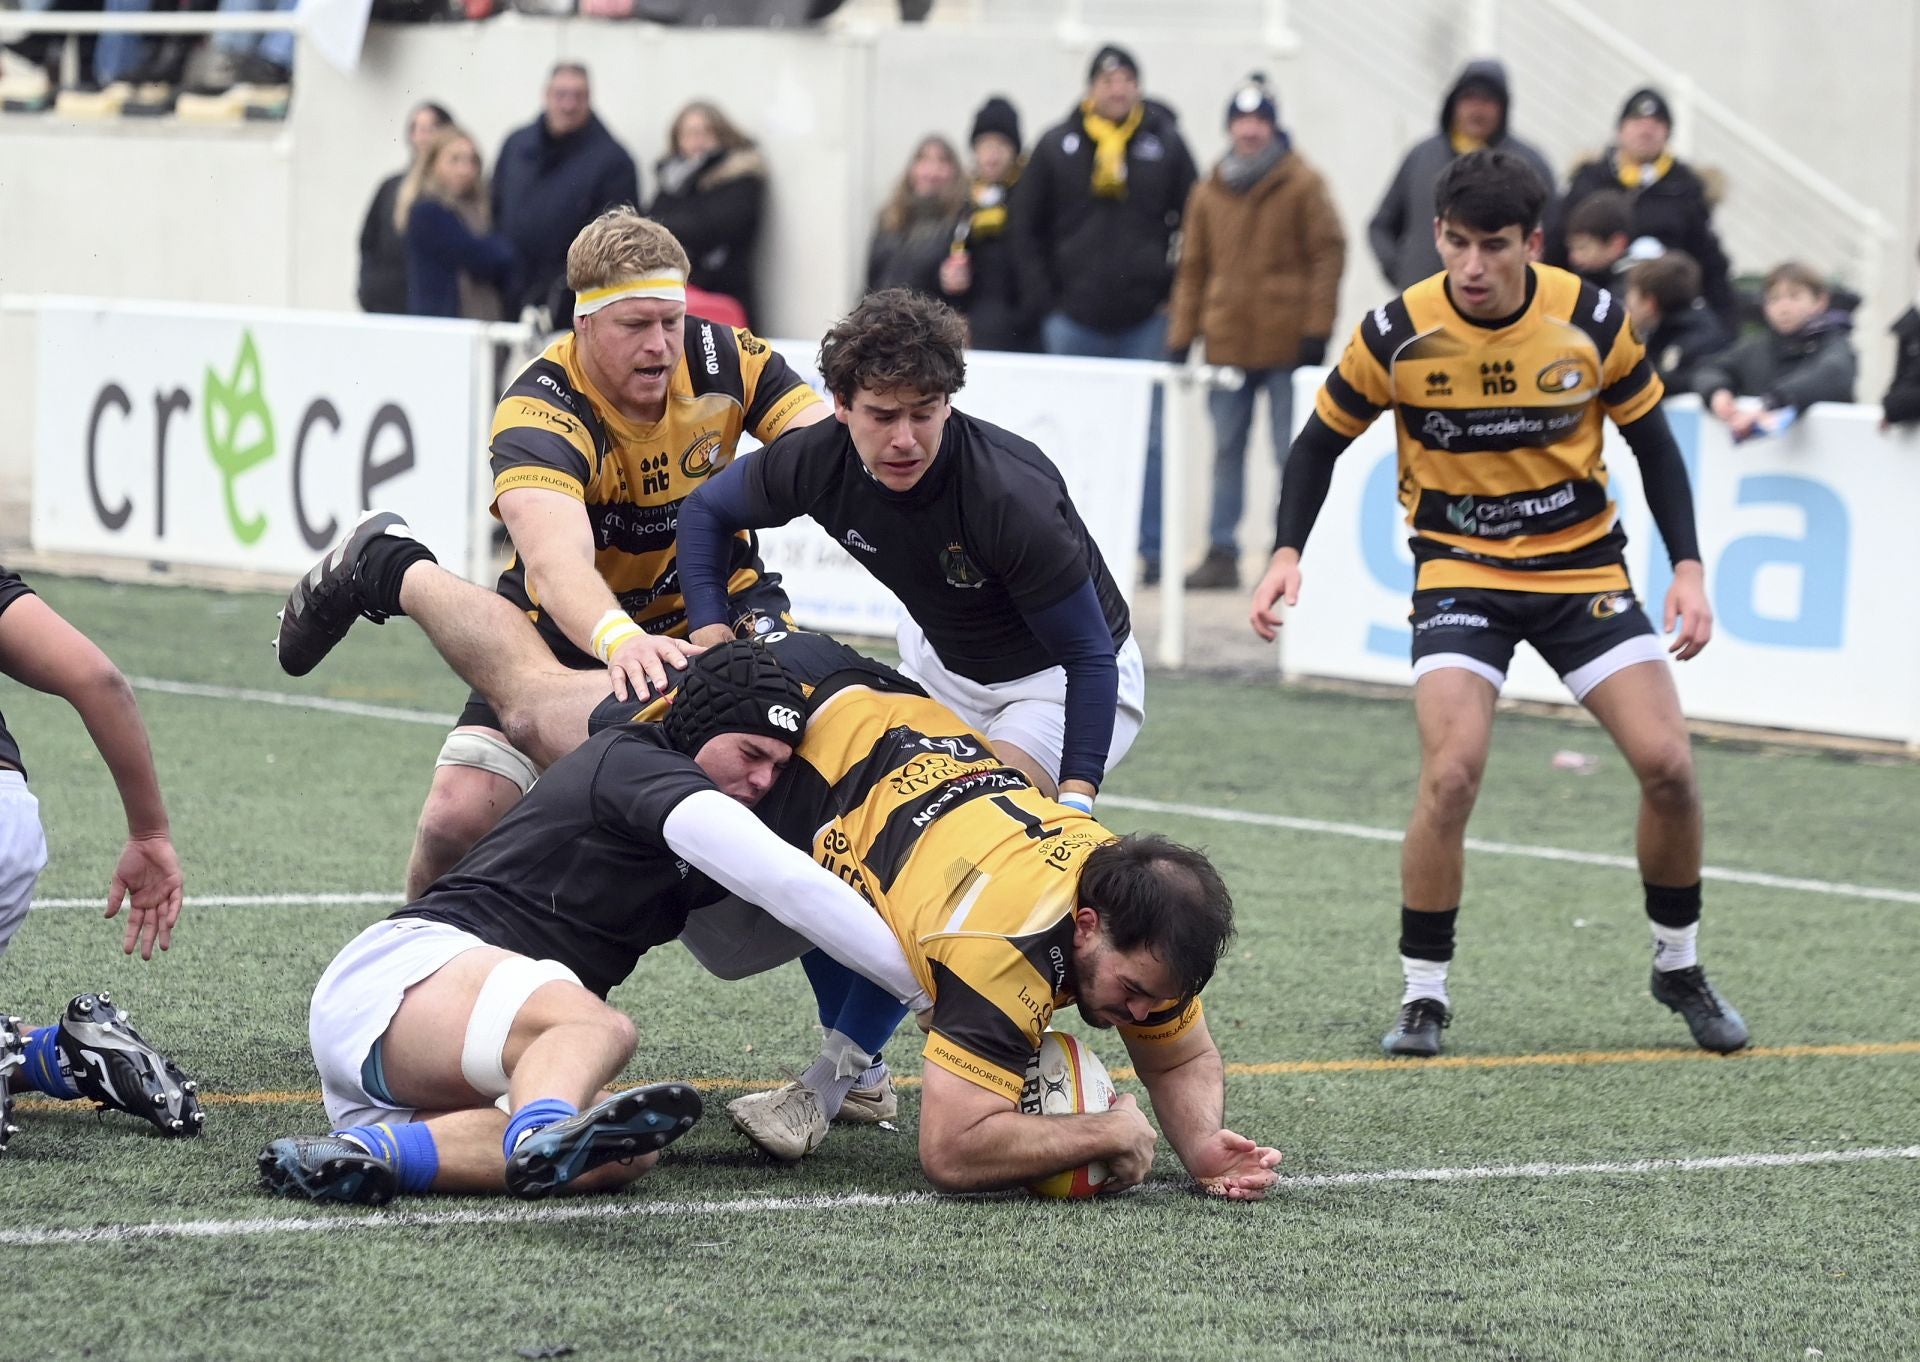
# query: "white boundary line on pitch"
325,900
624,1210
1205,811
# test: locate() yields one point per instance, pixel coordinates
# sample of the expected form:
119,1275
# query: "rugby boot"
326,1168
869,1106
324,604
12,1055
786,1122
1416,1033
624,1127
110,1063
1711,1018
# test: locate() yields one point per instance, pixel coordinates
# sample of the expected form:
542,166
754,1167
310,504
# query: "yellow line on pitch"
1862,1050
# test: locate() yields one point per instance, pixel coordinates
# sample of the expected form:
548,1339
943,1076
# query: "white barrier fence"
1811,557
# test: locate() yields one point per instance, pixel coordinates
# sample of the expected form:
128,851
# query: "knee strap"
486,753
501,997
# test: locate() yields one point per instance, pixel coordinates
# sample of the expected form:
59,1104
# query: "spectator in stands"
1802,357
980,277
1259,277
1669,199
456,265
553,177
915,228
713,189
258,59
1674,321
1597,238
1473,115
383,242
1902,402
1094,218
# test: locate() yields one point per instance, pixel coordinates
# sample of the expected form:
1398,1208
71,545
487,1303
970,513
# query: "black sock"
384,563
1427,936
1673,906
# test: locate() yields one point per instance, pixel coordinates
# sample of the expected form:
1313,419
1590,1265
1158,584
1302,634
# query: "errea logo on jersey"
781,716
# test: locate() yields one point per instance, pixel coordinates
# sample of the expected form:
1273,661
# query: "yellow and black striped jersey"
976,872
1499,429
554,432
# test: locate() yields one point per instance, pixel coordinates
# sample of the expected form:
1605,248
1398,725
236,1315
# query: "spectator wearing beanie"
1473,115
980,277
1094,219
1259,278
713,190
1669,199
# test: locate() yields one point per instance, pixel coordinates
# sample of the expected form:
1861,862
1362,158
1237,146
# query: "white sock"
1425,979
1675,947
840,1067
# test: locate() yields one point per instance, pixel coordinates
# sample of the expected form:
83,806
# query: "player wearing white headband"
594,447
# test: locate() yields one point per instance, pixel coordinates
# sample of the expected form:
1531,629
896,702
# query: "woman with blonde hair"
915,229
457,266
713,188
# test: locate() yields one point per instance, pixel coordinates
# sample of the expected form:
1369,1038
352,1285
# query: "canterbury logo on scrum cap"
780,716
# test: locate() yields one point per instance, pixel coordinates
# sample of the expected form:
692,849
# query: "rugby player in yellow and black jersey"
1500,373
594,447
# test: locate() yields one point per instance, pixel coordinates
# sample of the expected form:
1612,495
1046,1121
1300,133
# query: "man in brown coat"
1258,278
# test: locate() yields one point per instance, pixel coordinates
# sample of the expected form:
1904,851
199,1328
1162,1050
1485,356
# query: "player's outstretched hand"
148,881
1130,1164
645,658
1687,603
1281,583
1234,1167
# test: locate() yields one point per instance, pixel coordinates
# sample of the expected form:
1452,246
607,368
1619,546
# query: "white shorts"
23,852
1030,711
354,1003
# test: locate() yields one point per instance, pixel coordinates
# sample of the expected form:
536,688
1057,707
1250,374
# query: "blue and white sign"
1812,561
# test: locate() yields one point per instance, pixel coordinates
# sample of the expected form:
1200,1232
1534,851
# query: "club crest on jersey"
698,459
960,569
1562,376
1610,604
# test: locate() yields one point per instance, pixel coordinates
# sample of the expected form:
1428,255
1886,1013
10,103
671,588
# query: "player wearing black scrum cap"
493,983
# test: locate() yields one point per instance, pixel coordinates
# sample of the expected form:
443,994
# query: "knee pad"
501,997
486,753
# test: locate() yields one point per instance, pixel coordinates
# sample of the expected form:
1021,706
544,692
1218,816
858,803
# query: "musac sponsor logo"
709,351
1381,323
560,394
1603,306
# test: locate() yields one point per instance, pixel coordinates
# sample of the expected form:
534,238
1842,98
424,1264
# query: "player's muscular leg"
468,1144
1454,710
463,805
1640,709
1027,765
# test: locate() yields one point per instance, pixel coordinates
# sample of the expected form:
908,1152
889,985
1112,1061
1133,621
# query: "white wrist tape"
615,628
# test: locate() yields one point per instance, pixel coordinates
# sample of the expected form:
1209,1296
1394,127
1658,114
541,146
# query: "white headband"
670,285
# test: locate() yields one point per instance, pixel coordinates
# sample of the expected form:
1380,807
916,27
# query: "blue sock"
535,1115
831,982
408,1147
868,1015
42,1071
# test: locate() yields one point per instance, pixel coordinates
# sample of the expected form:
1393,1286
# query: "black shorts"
759,609
1585,638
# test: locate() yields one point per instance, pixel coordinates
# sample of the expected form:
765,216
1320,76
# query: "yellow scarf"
1633,175
1462,144
1110,148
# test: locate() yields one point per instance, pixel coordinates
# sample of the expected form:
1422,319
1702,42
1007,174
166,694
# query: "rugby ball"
1064,1079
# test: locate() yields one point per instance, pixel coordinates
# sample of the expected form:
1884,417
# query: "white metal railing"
202,21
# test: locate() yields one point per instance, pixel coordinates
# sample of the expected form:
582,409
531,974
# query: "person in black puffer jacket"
713,190
914,230
552,178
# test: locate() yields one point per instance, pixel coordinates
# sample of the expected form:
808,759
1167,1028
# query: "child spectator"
915,229
1597,237
1674,321
457,266
1802,357
1902,402
713,188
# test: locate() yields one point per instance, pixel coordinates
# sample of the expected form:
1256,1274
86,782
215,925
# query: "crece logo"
238,427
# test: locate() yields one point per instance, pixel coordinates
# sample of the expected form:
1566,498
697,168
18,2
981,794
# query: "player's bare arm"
42,650
976,1140
1186,1081
552,533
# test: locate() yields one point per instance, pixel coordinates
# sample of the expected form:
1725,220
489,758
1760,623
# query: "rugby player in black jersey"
92,1052
906,803
1500,372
